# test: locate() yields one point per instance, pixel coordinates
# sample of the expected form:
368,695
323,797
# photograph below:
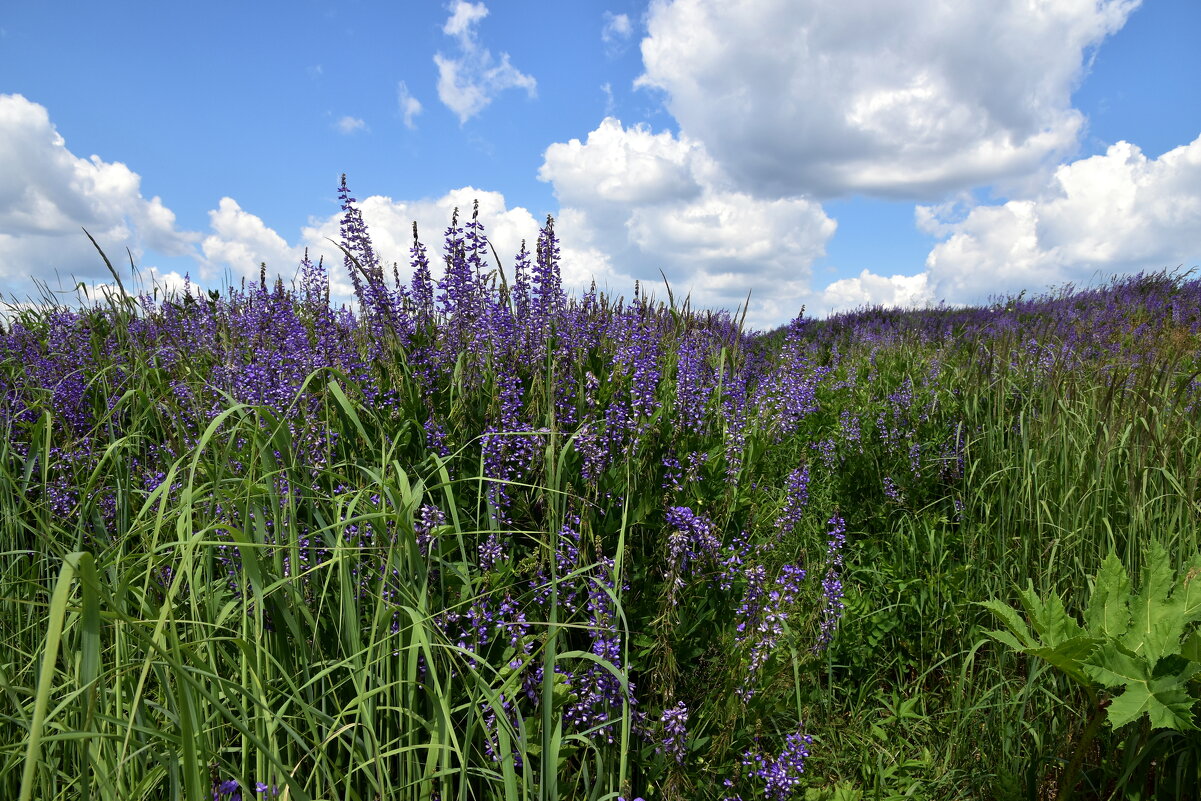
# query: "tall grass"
484,541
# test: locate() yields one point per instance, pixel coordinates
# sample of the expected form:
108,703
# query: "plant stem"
1068,785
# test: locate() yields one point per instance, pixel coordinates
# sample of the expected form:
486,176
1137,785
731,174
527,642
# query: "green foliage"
1139,648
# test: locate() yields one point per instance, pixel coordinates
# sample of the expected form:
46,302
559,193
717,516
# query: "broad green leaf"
1108,613
1069,656
1113,666
1013,621
1153,618
1049,619
1007,639
1191,650
1165,699
1188,594
1172,707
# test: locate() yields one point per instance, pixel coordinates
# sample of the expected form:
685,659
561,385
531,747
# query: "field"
479,539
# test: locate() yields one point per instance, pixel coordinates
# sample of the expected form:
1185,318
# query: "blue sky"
817,154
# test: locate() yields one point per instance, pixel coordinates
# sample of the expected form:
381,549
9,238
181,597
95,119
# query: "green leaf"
1191,650
1013,621
1156,624
1165,698
1188,594
1113,666
1069,656
1108,613
1049,619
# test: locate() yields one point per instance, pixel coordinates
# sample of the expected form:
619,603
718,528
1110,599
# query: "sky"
799,152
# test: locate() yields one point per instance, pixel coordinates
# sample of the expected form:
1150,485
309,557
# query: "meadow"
482,539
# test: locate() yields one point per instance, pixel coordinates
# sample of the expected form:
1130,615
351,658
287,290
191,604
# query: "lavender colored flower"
675,735
796,495
781,774
832,593
761,617
891,489
693,539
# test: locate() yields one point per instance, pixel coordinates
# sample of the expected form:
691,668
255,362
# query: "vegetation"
478,539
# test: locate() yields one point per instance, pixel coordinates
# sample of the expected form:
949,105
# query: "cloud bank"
832,99
634,203
49,195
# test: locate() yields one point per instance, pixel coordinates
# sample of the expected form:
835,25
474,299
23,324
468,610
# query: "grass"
248,541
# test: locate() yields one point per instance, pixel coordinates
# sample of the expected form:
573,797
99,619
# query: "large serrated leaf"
1188,593
1049,619
1165,699
1068,656
1108,613
1013,621
1113,666
1191,650
1151,609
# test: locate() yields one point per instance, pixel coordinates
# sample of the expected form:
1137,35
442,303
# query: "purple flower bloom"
832,594
796,496
674,742
761,617
781,774
891,489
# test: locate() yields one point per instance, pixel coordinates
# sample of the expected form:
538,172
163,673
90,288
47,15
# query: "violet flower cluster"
832,593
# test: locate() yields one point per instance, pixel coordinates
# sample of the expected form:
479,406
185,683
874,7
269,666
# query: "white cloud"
621,167
49,194
616,32
468,84
802,96
241,241
651,202
410,106
869,289
1115,213
349,125
463,17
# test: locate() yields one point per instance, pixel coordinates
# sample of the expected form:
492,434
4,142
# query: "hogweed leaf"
1005,638
1064,652
1108,613
1154,619
1191,650
1049,619
1069,656
1189,591
1164,698
1018,637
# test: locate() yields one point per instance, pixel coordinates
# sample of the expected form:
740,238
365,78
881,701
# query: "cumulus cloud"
349,125
831,99
410,106
1120,212
1111,214
241,241
616,32
466,85
869,289
49,194
636,202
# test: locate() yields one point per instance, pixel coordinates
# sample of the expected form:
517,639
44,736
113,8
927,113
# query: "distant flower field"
480,539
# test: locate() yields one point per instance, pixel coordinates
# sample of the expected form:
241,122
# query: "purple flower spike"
675,733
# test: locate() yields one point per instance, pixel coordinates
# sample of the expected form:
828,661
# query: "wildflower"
674,742
761,618
832,594
781,775
796,496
